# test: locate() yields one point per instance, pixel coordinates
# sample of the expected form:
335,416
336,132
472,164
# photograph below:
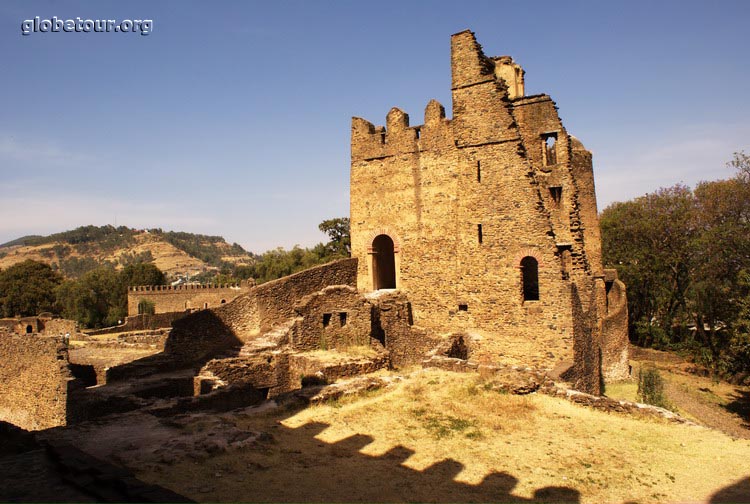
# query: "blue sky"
232,118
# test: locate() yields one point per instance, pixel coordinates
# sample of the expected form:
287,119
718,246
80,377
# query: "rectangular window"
342,318
463,307
549,149
479,171
556,194
479,233
326,319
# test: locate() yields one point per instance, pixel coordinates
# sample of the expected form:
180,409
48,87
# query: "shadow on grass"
293,465
740,405
736,493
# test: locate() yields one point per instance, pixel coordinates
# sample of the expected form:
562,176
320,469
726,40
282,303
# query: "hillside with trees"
91,288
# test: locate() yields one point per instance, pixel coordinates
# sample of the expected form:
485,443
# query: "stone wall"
39,325
392,325
142,322
277,298
167,298
35,379
336,317
203,334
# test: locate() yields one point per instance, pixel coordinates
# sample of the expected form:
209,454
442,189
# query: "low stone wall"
406,343
54,327
36,381
277,298
142,322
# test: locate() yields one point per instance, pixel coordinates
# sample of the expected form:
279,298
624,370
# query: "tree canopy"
28,288
685,256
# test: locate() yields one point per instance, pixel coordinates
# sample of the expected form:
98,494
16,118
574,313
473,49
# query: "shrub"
651,387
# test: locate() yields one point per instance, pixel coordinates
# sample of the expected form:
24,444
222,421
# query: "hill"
77,251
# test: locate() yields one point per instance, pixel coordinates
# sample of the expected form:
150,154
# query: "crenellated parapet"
178,298
190,287
397,136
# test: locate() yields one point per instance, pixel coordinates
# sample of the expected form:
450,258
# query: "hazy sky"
233,118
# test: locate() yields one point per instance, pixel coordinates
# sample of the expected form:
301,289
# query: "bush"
651,387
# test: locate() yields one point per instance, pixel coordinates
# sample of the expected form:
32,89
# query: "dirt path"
707,413
717,405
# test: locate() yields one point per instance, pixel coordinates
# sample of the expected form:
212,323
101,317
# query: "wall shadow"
291,464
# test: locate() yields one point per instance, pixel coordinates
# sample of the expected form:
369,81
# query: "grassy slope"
443,437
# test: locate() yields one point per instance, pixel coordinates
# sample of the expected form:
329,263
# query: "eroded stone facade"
487,221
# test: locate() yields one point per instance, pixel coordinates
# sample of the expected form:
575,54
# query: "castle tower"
487,221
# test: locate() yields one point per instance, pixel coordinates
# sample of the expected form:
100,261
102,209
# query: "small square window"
463,307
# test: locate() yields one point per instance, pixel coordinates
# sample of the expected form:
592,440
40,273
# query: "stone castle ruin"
487,221
475,245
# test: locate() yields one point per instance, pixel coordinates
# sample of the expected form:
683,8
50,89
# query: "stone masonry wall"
277,298
35,381
184,297
207,332
142,322
336,317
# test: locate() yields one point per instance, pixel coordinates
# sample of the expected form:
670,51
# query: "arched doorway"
29,329
383,263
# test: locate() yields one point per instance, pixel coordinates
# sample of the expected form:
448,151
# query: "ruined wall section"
167,298
36,380
277,298
335,318
205,333
614,341
582,168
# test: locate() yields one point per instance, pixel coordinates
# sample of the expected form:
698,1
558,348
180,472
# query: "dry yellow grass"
443,437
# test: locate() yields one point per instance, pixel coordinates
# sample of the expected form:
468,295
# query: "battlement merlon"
245,284
397,136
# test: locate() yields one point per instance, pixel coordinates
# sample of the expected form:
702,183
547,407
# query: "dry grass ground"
444,437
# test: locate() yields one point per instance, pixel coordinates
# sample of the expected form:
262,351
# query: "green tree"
685,256
649,241
94,300
340,244
100,297
27,288
142,273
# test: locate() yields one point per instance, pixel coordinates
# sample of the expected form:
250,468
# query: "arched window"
384,263
530,278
